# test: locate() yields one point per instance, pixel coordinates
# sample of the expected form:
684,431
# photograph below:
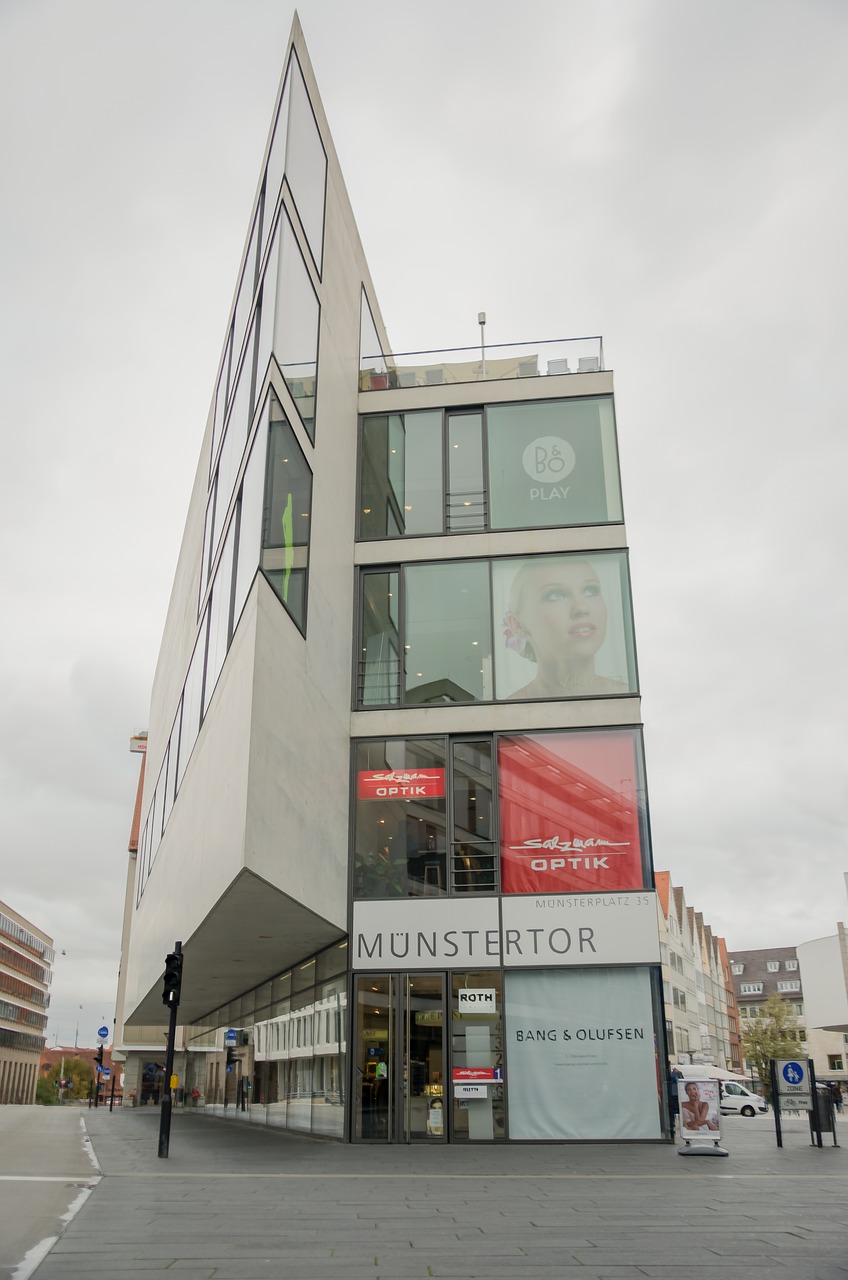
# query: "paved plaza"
235,1202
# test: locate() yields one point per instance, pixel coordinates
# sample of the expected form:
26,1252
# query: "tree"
774,1034
77,1070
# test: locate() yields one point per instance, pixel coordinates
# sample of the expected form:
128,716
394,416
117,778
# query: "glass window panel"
466,500
303,979
306,163
379,659
296,328
447,616
552,463
276,161
280,994
399,841
190,723
474,852
288,504
401,474
265,341
155,824
477,1037
566,625
333,961
234,440
250,522
572,812
221,399
247,287
141,866
170,775
219,617
207,540
370,347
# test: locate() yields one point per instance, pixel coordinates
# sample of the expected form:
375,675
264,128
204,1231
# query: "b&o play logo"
548,460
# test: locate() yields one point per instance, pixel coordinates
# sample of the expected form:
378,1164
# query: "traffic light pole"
165,1111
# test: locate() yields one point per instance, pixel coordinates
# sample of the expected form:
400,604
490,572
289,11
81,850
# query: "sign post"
171,998
792,1083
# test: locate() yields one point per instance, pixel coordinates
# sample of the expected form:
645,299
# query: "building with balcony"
26,959
394,801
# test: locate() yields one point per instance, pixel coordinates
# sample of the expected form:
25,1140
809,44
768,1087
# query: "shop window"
288,506
561,628
530,465
572,815
401,478
400,836
569,1076
447,635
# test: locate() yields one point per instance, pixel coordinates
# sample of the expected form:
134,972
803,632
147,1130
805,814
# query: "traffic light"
173,978
231,1056
98,1057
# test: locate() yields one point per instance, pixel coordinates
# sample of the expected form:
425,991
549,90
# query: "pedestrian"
673,1098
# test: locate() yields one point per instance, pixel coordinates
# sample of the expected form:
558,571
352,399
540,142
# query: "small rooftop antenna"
481,320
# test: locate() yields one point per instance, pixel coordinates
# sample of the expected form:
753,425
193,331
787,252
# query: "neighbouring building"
700,1009
394,802
26,960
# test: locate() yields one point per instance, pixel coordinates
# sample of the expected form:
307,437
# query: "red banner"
569,812
468,1075
400,784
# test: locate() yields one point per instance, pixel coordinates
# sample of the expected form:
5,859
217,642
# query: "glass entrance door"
423,1116
400,1064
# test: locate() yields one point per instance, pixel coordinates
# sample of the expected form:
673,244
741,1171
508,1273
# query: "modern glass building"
394,804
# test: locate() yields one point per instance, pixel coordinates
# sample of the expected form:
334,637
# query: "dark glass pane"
401,474
466,500
288,505
447,616
379,667
296,327
399,840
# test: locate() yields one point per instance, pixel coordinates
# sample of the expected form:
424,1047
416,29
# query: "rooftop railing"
481,364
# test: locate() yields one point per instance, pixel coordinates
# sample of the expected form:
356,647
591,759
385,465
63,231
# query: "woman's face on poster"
562,610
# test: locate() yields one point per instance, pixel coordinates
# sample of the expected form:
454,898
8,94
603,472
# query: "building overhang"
253,932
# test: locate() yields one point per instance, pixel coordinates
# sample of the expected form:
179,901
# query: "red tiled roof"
662,879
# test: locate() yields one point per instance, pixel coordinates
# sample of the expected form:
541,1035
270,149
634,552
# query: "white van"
736,1100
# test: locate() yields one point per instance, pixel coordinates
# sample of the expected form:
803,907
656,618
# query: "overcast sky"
672,176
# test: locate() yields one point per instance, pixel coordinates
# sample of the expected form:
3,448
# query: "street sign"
230,1036
793,1084
103,1033
105,1073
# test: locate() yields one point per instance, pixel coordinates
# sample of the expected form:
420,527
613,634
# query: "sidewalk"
238,1203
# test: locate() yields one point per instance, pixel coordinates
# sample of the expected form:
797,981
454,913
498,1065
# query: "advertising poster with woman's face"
566,626
700,1108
